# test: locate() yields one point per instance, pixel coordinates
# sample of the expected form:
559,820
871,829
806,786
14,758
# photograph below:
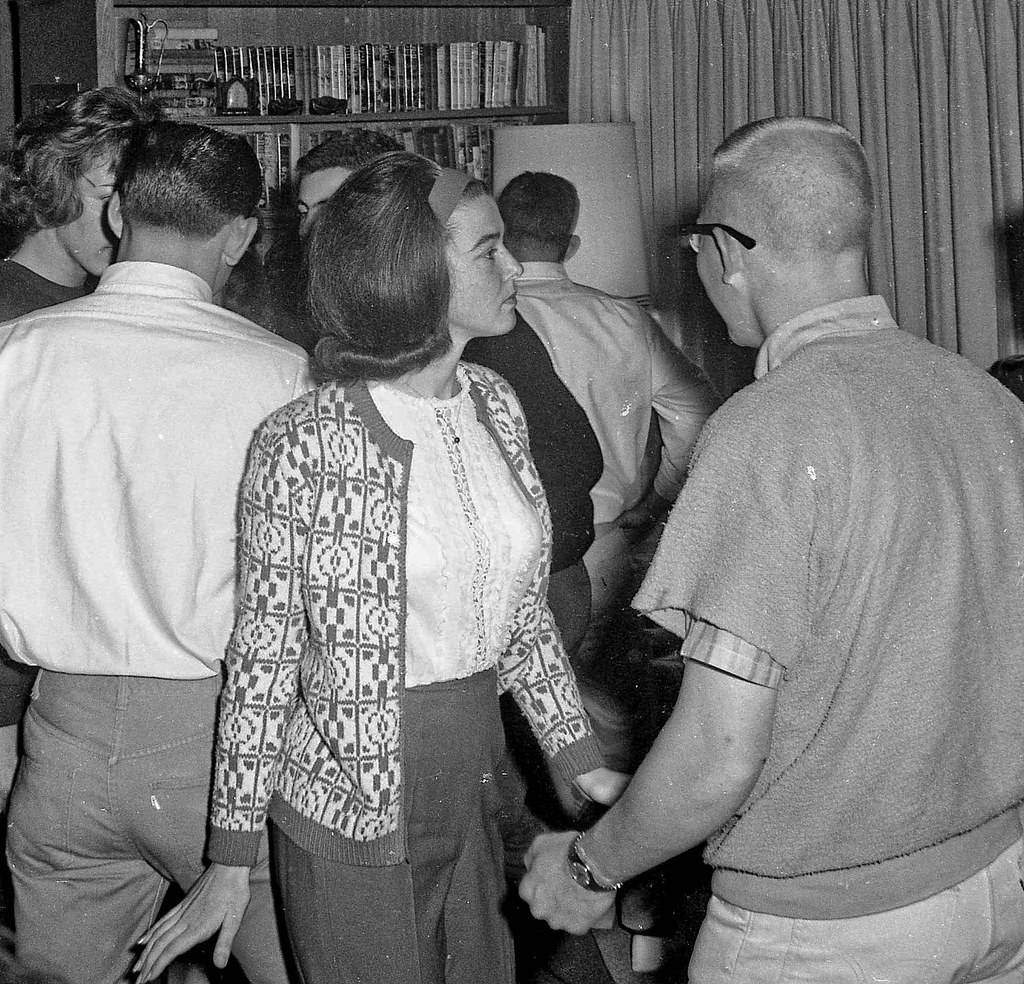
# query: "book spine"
283,169
485,155
365,78
475,157
334,72
511,94
443,77
530,90
487,78
458,75
542,67
375,65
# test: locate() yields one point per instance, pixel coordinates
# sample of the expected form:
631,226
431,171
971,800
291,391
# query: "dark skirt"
437,918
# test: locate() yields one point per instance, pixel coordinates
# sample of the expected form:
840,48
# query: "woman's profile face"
482,273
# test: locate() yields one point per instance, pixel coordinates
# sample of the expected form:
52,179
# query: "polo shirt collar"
847,319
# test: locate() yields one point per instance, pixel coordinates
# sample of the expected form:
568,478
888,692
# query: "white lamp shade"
600,160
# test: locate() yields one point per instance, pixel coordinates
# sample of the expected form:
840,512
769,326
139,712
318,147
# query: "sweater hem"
332,845
874,887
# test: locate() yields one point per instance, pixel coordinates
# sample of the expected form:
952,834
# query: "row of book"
465,146
352,78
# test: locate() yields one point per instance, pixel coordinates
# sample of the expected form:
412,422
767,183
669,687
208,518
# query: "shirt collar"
855,316
154,278
535,270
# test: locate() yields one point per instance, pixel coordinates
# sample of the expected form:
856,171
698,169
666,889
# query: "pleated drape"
934,89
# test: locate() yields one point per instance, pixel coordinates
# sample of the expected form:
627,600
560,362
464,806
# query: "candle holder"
139,55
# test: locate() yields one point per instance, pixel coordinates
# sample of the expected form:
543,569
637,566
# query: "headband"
448,188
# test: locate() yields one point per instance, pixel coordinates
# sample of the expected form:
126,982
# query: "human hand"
214,904
603,785
553,896
644,514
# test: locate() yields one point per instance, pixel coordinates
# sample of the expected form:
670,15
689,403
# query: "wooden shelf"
549,114
344,3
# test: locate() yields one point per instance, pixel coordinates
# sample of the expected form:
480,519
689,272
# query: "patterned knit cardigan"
310,721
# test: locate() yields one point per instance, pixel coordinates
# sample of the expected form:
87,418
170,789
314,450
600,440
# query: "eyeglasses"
695,230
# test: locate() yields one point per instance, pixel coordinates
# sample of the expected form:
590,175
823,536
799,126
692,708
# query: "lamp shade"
600,160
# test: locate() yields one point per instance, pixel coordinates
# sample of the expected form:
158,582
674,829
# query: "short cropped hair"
377,272
800,184
352,147
51,150
190,178
540,207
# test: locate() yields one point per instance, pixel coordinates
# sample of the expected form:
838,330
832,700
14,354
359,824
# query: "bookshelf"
415,24
86,43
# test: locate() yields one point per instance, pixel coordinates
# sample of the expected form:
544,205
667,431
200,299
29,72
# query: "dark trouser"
436,918
110,806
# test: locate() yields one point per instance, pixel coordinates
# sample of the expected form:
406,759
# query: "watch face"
583,876
580,873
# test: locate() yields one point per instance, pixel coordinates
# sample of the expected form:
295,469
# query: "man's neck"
799,292
172,249
537,254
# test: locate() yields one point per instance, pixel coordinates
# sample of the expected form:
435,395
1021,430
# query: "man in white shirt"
620,368
125,418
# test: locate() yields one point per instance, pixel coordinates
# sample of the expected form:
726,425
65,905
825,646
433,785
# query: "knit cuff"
582,756
232,847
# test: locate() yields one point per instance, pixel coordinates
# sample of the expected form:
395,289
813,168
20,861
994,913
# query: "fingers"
611,788
225,940
552,895
543,842
573,915
174,936
603,785
162,946
214,905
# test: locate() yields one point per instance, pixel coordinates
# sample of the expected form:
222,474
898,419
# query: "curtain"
934,90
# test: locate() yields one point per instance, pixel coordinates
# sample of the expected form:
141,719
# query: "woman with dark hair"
394,552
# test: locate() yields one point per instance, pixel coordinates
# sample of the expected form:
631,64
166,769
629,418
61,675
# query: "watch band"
581,872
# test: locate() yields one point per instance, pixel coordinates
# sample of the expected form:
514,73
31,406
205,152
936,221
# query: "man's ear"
732,254
240,235
114,216
572,249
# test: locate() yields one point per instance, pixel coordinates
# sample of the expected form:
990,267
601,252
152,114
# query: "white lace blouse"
474,541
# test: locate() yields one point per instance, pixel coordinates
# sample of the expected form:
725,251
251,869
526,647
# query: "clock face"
237,97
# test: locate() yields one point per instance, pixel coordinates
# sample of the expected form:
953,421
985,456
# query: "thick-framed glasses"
695,230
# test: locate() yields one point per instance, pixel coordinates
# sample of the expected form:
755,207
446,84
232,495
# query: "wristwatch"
581,873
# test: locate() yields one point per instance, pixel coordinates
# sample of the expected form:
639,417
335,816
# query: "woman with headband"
394,551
